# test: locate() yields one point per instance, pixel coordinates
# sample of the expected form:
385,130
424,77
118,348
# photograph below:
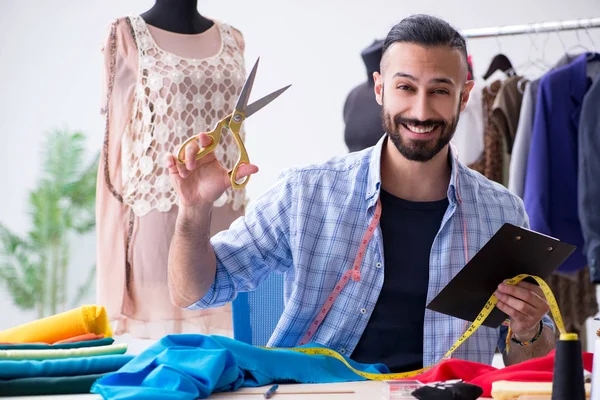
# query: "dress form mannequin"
178,16
362,113
170,73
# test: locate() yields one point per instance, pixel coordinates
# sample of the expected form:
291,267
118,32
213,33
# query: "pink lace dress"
160,88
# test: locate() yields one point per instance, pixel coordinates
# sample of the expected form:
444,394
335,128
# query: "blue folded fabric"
15,369
190,366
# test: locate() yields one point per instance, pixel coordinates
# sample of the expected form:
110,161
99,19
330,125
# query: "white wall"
50,67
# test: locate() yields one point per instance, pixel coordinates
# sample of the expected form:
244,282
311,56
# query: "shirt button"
378,265
363,310
342,351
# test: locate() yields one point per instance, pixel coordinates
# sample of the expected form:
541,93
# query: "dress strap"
112,49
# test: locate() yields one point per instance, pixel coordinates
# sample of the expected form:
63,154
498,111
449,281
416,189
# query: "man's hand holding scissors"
199,180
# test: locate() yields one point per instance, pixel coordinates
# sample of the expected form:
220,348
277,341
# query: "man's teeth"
420,130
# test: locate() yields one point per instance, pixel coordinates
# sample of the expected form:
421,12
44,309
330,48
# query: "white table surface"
362,391
367,390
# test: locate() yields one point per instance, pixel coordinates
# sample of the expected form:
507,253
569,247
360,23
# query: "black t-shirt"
394,333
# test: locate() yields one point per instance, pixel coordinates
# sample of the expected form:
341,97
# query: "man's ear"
378,88
466,92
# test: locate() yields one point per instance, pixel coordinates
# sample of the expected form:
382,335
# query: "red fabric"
470,61
535,370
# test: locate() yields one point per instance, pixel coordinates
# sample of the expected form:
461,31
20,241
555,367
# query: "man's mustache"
429,123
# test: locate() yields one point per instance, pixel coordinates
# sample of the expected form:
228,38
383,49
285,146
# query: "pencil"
269,393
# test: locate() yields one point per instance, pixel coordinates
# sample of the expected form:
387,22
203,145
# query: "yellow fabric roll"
508,390
49,354
65,325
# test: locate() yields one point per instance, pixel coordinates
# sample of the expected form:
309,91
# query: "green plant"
34,268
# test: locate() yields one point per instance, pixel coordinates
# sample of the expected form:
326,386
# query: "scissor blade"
242,102
258,104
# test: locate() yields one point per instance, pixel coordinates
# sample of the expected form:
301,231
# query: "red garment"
535,370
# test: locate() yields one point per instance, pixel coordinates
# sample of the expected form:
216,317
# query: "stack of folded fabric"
61,354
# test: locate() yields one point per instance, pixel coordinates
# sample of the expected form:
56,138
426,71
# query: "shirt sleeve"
254,246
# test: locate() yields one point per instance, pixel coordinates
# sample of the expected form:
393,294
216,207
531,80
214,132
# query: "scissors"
233,122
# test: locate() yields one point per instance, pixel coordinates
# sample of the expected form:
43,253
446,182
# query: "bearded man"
367,239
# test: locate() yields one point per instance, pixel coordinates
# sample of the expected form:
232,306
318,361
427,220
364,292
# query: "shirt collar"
374,174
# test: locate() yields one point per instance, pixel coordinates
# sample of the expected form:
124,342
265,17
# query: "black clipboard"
513,250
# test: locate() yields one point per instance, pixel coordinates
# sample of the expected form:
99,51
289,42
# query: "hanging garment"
520,151
550,195
505,115
589,173
161,88
506,109
469,135
518,160
502,105
574,292
491,162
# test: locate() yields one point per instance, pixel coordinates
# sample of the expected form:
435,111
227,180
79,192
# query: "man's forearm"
192,261
539,348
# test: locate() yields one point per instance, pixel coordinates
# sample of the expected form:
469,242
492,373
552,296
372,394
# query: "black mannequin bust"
178,16
362,113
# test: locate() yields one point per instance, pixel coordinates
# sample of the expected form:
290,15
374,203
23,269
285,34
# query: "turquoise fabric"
48,385
190,366
15,369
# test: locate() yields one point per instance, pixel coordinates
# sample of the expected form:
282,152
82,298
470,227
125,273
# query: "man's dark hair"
427,31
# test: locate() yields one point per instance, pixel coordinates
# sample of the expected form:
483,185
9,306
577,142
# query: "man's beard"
419,150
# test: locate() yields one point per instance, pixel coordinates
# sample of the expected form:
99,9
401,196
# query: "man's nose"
421,109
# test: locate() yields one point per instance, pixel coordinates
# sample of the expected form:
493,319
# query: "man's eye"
404,87
441,91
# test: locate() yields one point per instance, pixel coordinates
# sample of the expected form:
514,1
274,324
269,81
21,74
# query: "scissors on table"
233,122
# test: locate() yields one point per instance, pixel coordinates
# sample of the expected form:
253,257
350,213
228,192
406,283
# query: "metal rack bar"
554,26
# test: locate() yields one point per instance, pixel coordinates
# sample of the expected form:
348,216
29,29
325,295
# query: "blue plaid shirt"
309,226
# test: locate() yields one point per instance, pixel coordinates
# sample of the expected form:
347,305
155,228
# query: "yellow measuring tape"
483,314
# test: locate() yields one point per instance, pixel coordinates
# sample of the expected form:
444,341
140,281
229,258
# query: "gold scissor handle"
215,135
235,125
233,122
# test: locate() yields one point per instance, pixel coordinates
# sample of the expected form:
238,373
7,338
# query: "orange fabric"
81,338
62,326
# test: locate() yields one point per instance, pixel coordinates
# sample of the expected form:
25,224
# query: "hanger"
578,47
500,62
593,55
538,62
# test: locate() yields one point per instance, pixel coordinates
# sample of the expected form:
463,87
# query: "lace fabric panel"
176,98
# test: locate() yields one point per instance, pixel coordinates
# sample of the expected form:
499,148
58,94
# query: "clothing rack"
555,26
